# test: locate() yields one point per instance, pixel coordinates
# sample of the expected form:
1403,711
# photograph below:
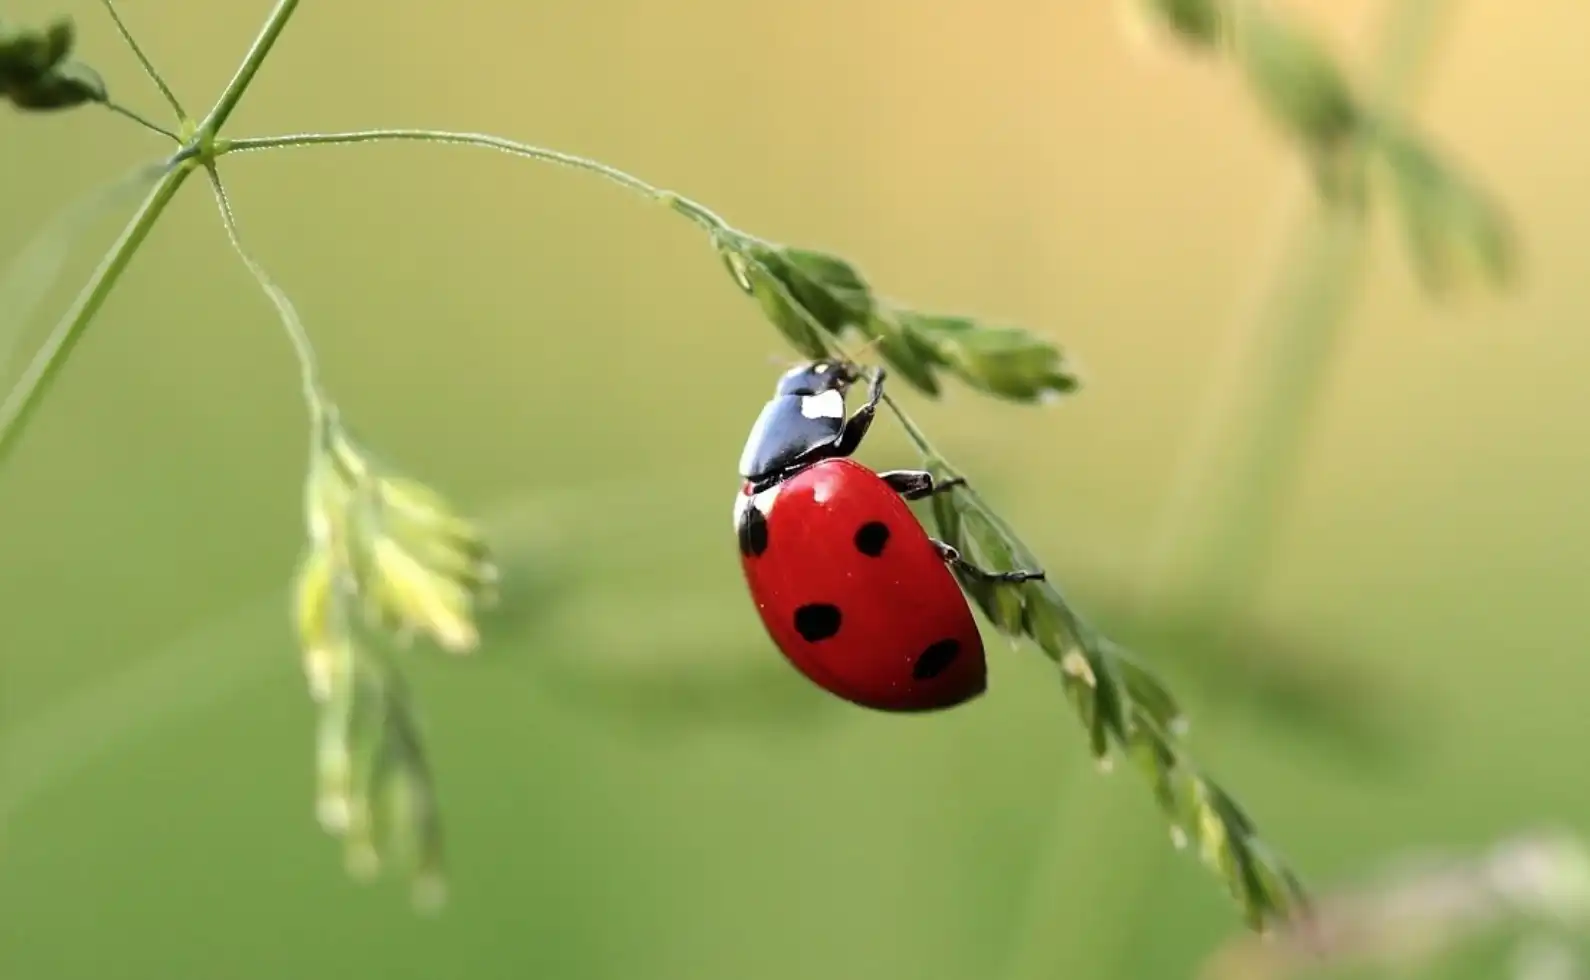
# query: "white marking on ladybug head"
828,404
820,369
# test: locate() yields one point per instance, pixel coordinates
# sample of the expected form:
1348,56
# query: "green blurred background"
634,784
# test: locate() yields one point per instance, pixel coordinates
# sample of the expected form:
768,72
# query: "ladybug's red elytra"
847,582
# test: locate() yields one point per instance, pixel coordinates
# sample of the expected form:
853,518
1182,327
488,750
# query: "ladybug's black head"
816,377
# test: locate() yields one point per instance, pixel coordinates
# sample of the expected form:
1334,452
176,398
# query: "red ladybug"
849,585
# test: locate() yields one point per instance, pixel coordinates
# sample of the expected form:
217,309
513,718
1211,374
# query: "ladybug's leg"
856,426
954,558
916,484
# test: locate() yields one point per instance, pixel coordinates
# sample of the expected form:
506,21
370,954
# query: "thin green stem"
303,349
23,401
914,432
263,42
696,212
148,124
143,59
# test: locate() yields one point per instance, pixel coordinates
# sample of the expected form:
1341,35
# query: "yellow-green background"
575,365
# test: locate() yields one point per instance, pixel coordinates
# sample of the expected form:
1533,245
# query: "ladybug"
848,584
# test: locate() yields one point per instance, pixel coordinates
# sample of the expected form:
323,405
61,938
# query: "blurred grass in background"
579,370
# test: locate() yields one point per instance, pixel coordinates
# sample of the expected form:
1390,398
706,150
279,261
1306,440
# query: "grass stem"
257,53
143,59
143,121
698,213
292,323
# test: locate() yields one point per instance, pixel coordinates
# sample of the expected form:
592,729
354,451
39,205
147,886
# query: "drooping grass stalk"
292,324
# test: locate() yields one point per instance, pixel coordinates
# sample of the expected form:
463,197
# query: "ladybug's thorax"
806,413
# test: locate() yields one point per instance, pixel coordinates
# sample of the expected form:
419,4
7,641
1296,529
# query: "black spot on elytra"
753,532
935,659
817,621
871,537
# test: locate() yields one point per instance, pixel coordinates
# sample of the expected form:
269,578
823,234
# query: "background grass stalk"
1254,442
1237,476
1242,463
25,397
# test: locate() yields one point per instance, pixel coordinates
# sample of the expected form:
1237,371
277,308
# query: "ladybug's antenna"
865,348
839,353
